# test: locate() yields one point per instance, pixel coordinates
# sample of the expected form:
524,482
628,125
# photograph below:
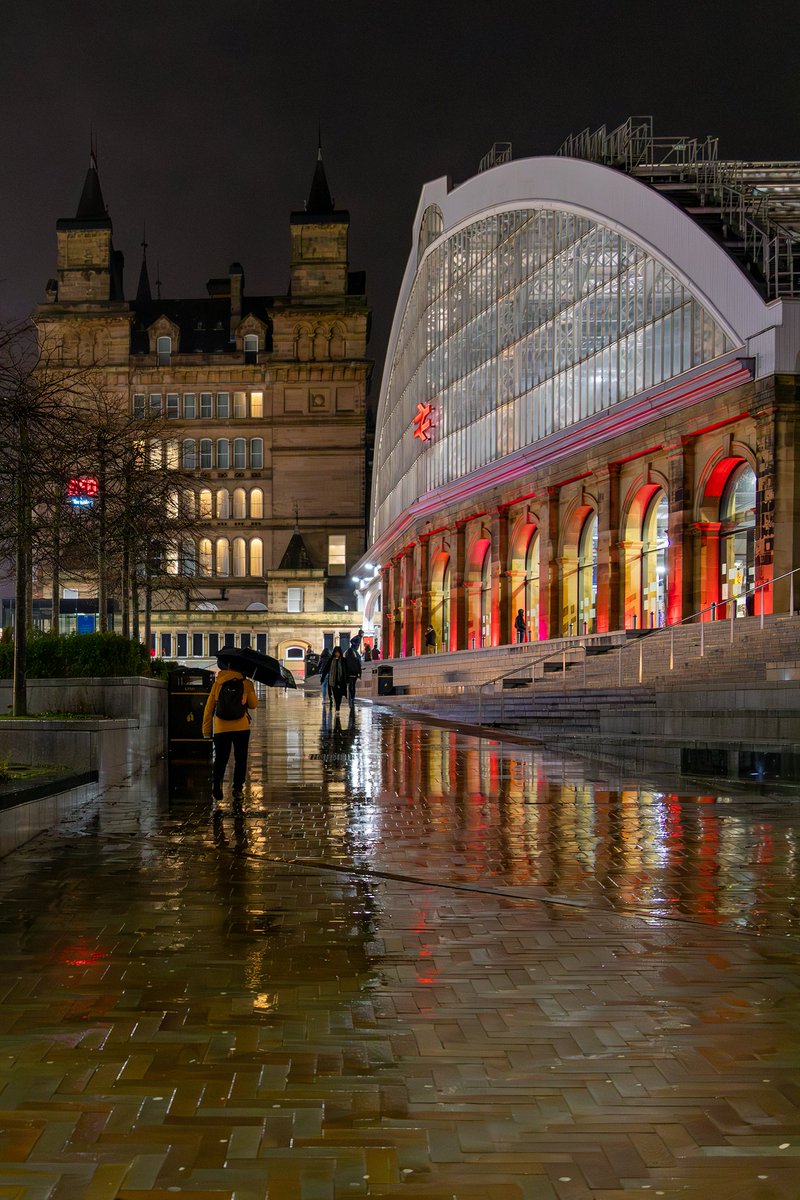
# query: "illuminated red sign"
82,490
423,422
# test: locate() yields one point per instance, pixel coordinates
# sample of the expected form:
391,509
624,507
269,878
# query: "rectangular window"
206,405
239,404
152,645
223,454
327,641
166,645
173,406
344,642
206,457
256,404
182,647
213,644
197,645
155,404
257,453
239,453
230,641
223,404
261,643
337,554
138,405
246,641
294,601
189,406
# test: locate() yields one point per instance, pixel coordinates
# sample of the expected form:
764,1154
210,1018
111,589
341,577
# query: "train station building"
589,408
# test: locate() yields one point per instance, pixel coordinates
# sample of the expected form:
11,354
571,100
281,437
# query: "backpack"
231,704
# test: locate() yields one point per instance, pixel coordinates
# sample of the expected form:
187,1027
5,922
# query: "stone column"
423,591
458,608
631,569
777,534
501,622
608,602
397,609
386,611
707,555
681,586
549,572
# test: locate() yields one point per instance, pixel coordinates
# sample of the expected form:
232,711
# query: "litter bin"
385,680
187,691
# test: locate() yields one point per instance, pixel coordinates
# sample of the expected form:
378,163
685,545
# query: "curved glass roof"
518,326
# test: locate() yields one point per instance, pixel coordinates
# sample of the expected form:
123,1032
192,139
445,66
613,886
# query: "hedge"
53,656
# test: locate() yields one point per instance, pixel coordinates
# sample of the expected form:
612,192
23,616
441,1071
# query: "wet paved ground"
415,966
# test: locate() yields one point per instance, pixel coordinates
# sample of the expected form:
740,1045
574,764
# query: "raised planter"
29,808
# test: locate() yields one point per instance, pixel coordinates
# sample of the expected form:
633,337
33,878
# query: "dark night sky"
206,114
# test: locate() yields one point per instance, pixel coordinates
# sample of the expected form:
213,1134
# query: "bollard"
641,651
671,649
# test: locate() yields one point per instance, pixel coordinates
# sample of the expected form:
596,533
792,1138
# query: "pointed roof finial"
319,198
158,280
143,293
91,206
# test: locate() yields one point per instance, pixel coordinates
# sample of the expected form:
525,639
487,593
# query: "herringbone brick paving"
414,965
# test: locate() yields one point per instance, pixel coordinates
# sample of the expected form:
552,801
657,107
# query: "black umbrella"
258,666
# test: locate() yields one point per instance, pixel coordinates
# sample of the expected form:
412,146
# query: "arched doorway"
587,576
654,562
532,587
440,599
737,557
486,599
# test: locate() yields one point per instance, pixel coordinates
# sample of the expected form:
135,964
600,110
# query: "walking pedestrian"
430,640
520,625
324,659
367,653
336,676
352,661
226,717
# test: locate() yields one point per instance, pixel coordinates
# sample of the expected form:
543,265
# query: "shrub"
53,656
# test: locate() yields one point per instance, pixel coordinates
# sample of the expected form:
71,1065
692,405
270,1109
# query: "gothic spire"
319,198
143,293
90,205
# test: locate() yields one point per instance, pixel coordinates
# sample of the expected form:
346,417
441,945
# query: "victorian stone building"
261,399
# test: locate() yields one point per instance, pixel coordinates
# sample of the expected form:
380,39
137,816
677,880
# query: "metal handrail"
530,665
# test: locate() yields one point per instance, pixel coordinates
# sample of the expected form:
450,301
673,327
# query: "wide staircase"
677,696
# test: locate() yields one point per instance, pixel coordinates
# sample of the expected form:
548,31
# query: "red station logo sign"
82,490
423,422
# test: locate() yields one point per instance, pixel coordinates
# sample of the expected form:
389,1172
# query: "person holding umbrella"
227,717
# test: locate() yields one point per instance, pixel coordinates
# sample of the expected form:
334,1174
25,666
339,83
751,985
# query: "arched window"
239,504
163,351
205,556
223,504
737,559
172,505
294,653
188,502
171,559
223,556
239,557
206,455
206,504
532,587
587,576
654,562
256,503
250,343
486,598
171,457
188,557
239,452
223,454
256,557
189,454
256,453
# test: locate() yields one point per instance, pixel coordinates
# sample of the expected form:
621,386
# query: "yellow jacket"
211,721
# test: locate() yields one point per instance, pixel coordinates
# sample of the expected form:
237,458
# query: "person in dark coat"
352,661
336,677
520,625
368,653
430,640
322,670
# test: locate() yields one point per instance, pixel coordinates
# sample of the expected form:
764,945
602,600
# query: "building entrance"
737,560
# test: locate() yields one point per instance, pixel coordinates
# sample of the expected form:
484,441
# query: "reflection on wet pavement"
411,964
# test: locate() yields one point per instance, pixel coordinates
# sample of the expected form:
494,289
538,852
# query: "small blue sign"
86,623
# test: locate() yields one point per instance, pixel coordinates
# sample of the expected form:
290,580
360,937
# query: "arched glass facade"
518,326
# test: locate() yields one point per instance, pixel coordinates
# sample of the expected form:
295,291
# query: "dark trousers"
351,690
338,692
239,741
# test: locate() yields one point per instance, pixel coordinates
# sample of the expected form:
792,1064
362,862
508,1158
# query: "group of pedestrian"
339,673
